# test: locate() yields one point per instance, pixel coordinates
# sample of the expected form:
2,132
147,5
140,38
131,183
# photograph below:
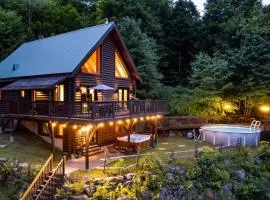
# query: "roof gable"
58,54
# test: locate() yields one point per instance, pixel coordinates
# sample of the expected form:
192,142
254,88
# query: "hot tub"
139,142
231,135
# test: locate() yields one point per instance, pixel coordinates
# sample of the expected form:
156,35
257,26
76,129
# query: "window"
120,68
92,65
59,93
61,128
22,93
123,94
0,94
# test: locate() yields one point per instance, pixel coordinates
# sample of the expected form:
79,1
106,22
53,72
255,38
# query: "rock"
3,146
147,195
240,174
171,193
98,181
89,190
2,160
79,197
123,198
128,184
129,176
114,179
170,176
23,165
228,163
227,189
208,195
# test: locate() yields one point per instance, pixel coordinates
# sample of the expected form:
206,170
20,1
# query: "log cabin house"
76,87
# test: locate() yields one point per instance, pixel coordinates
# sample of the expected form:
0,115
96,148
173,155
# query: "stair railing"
39,179
55,180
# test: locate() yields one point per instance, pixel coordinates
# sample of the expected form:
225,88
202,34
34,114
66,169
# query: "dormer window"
92,65
120,67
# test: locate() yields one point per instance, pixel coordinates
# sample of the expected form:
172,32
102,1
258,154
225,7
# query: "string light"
100,124
111,123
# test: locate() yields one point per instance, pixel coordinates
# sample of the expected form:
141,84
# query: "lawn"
164,148
26,147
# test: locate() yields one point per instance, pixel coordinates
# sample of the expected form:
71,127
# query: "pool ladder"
255,124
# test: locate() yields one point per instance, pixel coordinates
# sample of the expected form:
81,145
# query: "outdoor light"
153,117
127,120
90,127
147,117
158,116
75,127
100,124
135,119
265,108
110,123
53,124
227,106
119,122
141,118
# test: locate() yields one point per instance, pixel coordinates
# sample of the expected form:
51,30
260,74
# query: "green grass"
163,149
26,147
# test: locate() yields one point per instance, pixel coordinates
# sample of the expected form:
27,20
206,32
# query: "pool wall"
226,138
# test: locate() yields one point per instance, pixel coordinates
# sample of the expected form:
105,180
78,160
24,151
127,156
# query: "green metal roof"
59,54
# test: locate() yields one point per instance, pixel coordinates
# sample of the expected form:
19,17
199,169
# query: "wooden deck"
81,111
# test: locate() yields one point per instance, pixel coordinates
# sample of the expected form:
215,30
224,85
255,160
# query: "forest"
207,63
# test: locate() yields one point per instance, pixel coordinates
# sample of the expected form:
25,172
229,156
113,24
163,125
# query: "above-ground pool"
231,135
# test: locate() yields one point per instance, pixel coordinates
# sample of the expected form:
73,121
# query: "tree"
144,52
11,32
181,42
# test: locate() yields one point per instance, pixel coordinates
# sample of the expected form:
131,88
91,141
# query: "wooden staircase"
8,125
48,179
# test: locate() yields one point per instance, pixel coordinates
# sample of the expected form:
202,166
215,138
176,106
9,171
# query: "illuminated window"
22,93
61,128
59,93
92,65
92,94
120,68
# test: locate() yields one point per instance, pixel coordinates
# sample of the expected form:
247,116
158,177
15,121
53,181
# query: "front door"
87,95
94,139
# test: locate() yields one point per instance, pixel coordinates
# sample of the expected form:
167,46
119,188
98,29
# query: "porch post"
52,139
87,150
50,101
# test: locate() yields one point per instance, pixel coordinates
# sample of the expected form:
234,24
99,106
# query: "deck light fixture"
100,124
147,117
127,120
158,116
75,127
135,119
141,118
119,122
111,123
53,124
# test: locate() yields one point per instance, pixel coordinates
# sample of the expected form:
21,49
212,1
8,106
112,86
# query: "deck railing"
86,110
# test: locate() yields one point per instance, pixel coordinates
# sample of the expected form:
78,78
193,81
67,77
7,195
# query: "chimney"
106,20
15,67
